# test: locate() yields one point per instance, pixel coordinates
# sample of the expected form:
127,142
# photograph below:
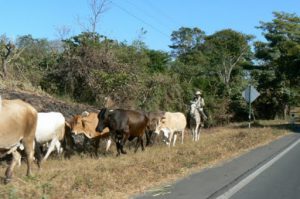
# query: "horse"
195,122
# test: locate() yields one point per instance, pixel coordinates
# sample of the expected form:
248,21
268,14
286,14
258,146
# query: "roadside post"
250,94
293,119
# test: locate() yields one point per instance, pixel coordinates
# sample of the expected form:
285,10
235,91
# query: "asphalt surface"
281,180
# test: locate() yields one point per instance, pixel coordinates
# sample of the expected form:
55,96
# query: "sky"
124,19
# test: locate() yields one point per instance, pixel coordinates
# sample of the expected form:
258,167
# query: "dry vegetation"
121,177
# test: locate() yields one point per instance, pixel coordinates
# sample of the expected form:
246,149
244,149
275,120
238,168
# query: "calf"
171,124
17,127
123,125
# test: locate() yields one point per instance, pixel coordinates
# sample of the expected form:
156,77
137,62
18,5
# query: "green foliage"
227,52
110,82
158,60
280,79
89,67
186,39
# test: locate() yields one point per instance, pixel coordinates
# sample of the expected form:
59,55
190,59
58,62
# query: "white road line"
253,175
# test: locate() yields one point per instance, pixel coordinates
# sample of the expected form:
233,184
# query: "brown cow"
18,122
123,125
83,126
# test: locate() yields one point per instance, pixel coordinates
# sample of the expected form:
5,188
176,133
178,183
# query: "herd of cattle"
24,129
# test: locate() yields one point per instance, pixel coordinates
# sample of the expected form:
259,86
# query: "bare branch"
82,24
97,8
63,32
16,55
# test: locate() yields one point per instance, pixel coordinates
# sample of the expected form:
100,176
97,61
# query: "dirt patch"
44,103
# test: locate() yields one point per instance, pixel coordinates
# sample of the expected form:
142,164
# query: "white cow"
171,124
50,128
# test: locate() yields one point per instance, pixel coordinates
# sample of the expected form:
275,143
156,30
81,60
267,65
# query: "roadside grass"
122,177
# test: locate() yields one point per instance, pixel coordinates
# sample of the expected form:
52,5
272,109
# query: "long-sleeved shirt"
199,101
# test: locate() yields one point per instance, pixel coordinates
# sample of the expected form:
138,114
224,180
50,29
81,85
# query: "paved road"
283,181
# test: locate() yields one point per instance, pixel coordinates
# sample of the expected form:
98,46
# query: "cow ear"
67,124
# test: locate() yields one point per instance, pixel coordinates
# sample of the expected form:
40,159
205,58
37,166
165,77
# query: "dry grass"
112,177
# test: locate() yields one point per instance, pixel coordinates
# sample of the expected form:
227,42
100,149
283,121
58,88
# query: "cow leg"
142,143
153,139
182,136
174,139
118,145
122,149
50,148
123,142
9,170
171,133
96,146
68,145
119,142
116,137
108,143
29,150
139,142
149,135
59,148
167,139
38,153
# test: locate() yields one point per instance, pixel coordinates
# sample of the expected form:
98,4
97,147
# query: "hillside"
46,103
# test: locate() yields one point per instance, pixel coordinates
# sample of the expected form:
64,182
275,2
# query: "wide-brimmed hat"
198,93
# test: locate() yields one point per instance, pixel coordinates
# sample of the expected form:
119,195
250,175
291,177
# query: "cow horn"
85,114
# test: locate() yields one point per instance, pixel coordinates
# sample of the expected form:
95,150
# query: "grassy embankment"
120,177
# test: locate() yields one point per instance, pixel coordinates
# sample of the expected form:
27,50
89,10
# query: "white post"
249,106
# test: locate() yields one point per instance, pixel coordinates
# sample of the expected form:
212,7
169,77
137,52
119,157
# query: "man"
199,101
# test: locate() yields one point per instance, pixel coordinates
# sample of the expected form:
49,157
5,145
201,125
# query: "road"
280,180
271,171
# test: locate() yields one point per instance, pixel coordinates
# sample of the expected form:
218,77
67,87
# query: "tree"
280,59
227,51
37,57
186,39
8,52
158,60
83,54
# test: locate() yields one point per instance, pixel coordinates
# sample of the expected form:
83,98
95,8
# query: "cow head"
160,124
80,124
162,128
102,120
79,127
